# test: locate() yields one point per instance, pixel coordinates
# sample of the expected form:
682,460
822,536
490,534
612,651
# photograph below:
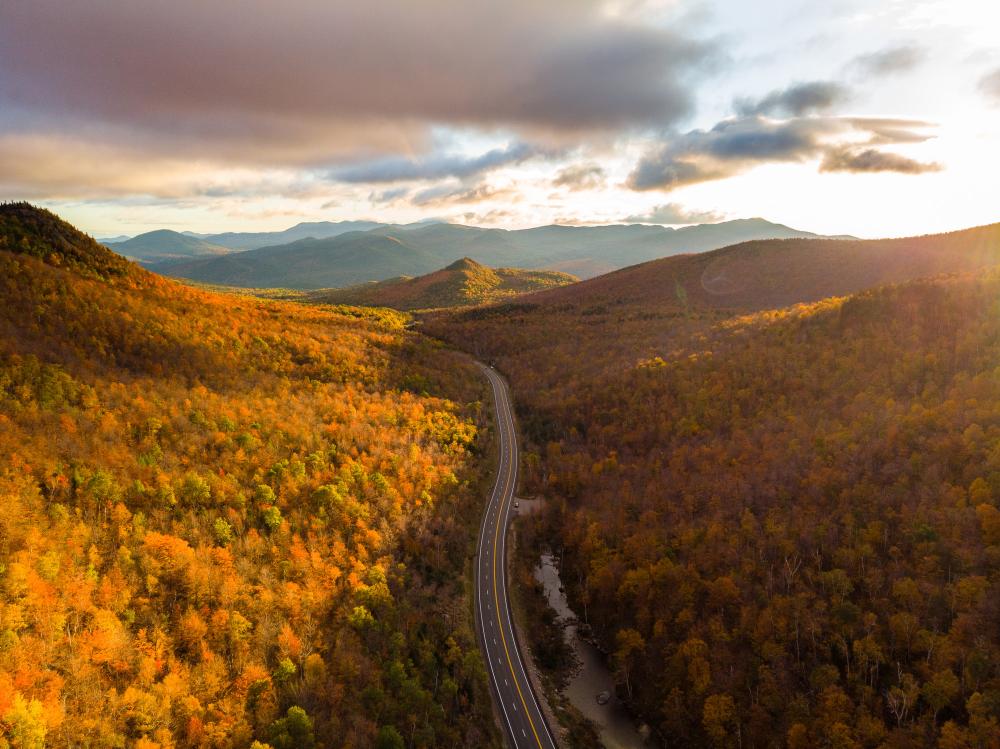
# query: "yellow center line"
496,595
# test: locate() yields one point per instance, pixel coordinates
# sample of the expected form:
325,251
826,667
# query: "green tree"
285,671
264,495
294,731
194,491
389,738
272,518
223,532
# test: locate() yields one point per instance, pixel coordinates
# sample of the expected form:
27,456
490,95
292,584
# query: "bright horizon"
580,224
884,122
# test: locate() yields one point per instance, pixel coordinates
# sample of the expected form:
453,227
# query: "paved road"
519,712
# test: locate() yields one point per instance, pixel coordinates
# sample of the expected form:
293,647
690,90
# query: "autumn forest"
237,521
224,521
574,374
782,525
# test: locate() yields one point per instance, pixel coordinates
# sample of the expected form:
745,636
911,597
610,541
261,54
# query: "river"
614,724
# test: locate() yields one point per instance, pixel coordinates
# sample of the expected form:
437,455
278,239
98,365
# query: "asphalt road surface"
515,699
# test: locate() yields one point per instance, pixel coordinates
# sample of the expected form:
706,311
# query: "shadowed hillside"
774,273
349,258
26,230
648,310
781,524
465,282
164,245
226,521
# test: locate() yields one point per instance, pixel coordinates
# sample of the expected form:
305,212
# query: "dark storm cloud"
796,100
889,61
733,146
300,80
872,160
989,84
436,166
672,213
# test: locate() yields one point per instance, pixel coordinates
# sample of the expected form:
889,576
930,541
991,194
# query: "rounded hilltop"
26,229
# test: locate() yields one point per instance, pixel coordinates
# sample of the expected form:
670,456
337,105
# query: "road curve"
517,705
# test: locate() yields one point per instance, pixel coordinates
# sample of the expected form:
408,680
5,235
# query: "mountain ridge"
302,230
581,251
165,245
761,274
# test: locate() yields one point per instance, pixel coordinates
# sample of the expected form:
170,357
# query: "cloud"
673,213
872,160
580,177
989,84
890,130
725,150
436,166
449,195
796,100
736,145
36,166
494,217
388,196
660,170
889,61
315,82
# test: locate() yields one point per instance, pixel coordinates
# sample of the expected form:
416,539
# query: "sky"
865,117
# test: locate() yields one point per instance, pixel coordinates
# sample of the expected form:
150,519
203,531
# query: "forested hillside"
463,283
226,522
771,273
783,525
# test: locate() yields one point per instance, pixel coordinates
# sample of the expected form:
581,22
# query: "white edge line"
509,419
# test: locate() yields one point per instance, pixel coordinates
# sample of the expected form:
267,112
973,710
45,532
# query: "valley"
776,521
726,443
581,374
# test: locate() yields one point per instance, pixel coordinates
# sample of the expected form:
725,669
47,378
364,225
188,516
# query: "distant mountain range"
464,282
305,230
164,245
239,240
350,256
